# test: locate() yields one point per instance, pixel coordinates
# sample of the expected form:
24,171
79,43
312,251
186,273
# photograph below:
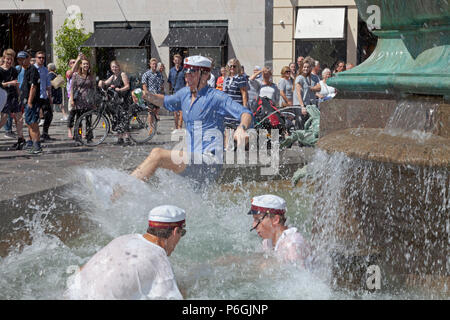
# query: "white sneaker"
41,123
177,131
64,118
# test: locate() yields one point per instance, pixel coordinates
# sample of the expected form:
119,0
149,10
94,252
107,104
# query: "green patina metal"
413,50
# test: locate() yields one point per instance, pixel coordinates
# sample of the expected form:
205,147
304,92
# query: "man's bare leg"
158,158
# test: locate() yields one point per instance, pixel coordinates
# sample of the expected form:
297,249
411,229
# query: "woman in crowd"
326,92
82,94
56,92
235,85
9,82
306,85
293,73
121,84
286,85
265,87
219,83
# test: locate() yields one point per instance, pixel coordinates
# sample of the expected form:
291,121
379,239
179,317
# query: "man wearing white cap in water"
269,222
204,109
134,266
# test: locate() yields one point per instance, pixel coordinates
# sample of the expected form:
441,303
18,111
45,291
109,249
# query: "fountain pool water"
217,259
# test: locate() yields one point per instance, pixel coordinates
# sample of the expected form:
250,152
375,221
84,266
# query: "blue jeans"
8,124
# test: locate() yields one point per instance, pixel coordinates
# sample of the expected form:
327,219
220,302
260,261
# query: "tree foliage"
67,44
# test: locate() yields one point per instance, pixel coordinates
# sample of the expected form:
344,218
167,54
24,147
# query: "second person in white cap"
134,266
269,222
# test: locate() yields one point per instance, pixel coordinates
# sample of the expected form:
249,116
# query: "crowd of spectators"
34,86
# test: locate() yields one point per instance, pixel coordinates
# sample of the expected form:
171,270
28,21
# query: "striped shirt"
153,80
232,86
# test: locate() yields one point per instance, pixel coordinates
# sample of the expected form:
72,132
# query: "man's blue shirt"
45,81
176,78
21,71
210,107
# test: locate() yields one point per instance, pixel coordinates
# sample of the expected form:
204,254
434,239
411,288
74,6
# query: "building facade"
257,32
327,30
244,28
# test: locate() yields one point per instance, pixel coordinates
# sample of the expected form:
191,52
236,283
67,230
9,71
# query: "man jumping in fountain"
204,109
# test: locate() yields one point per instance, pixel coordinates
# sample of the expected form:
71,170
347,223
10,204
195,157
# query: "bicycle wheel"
91,128
143,126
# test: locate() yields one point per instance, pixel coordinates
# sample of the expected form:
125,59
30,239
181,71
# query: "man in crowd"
30,99
204,109
153,82
8,126
134,266
176,82
269,218
45,94
316,70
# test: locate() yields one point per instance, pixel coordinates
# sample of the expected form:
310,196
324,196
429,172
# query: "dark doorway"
26,31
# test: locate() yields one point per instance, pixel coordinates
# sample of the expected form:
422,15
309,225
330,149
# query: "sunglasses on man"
259,221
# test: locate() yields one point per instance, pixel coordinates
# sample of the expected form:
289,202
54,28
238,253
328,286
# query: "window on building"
26,30
206,38
321,34
126,42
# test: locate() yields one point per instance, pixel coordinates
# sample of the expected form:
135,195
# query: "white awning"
320,23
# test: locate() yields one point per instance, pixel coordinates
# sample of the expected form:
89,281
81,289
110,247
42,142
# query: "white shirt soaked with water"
128,268
290,247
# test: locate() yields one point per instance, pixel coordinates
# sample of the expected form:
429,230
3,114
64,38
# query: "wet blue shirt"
206,115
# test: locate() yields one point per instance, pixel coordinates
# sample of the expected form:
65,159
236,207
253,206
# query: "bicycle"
117,114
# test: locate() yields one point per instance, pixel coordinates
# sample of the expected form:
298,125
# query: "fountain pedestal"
392,178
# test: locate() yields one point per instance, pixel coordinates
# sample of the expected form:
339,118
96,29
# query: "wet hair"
160,233
9,53
282,217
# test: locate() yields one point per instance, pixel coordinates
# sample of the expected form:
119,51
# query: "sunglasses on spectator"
183,232
232,66
287,72
40,57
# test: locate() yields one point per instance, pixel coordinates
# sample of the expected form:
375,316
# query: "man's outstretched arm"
156,99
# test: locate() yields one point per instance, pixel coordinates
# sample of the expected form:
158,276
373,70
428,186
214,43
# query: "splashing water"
217,259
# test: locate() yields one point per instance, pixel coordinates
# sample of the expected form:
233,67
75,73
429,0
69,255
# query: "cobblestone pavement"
22,173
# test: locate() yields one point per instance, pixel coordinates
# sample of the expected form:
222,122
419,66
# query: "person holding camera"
82,91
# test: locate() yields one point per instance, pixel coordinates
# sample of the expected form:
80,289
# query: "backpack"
265,115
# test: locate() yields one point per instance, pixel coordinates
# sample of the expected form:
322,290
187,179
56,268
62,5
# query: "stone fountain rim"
397,153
